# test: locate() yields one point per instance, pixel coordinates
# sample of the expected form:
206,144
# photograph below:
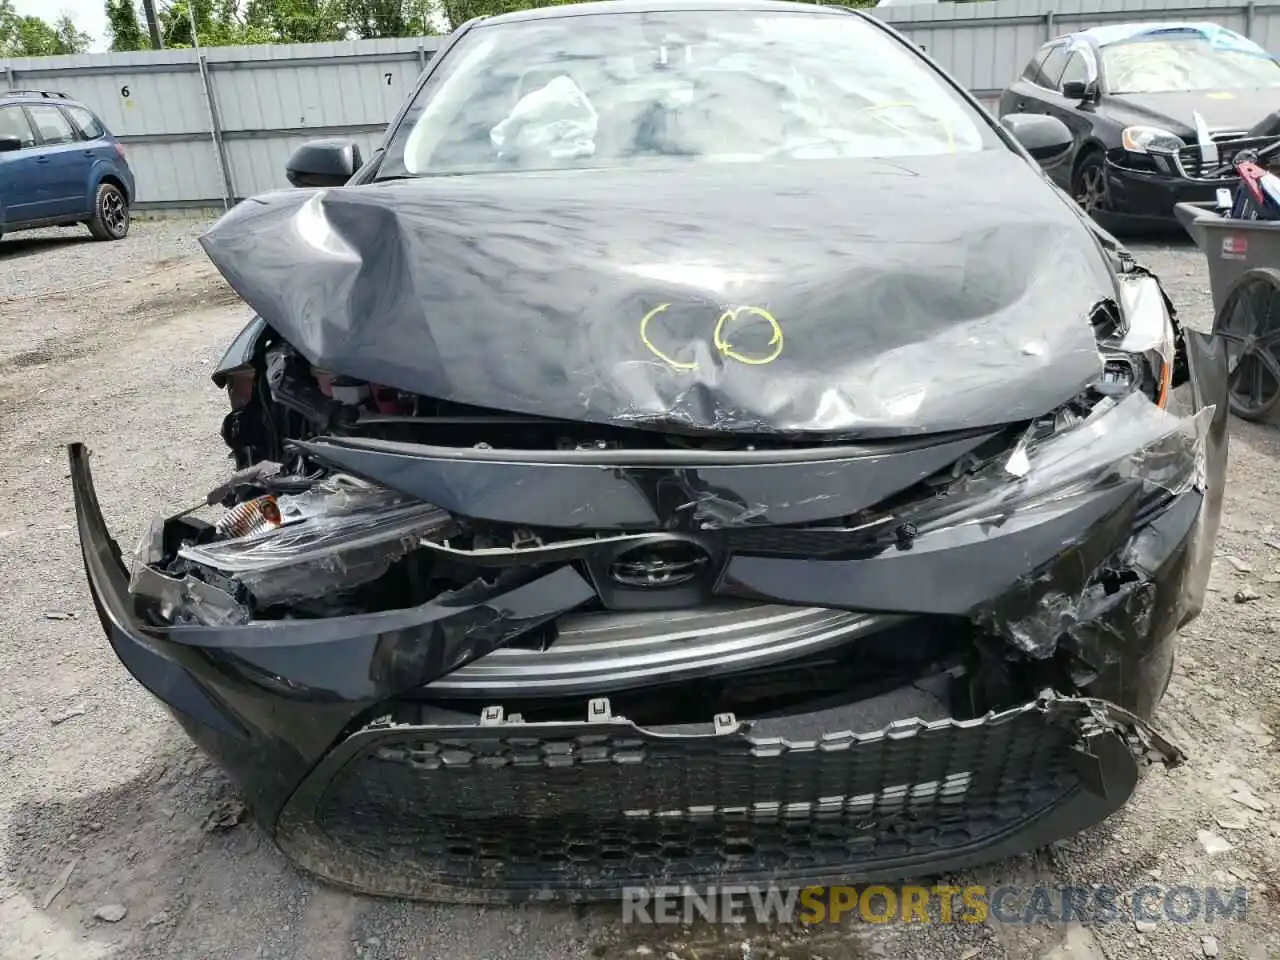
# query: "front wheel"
1089,184
110,220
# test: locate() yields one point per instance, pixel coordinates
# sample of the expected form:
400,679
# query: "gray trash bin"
1250,326
1231,246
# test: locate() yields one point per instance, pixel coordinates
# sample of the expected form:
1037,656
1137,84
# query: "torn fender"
1154,583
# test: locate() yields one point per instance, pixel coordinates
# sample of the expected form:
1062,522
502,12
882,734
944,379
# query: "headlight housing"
1143,139
1140,351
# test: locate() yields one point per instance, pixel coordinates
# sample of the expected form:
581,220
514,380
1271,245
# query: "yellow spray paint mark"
1220,95
723,345
720,337
644,335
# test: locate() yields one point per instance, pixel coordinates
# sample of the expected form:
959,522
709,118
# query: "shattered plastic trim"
1093,716
1168,454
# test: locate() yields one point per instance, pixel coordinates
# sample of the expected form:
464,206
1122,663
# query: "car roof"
1111,33
37,96
660,6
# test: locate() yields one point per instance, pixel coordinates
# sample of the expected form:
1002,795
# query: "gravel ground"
107,807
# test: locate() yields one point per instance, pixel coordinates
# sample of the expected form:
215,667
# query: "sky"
89,15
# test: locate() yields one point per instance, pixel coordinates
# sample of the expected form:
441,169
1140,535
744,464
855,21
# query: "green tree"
368,19
33,37
8,29
124,28
220,22
69,38
458,12
175,24
296,21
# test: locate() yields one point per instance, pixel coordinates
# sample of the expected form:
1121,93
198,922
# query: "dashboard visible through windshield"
608,90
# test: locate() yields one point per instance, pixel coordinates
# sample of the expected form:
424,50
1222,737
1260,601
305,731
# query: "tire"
1249,326
1089,184
110,220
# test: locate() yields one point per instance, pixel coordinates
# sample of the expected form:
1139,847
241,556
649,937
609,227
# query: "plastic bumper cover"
576,810
1151,195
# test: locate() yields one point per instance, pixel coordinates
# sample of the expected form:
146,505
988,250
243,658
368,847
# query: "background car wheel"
1249,325
1089,184
110,219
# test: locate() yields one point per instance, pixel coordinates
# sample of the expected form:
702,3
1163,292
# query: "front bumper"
330,727
1148,195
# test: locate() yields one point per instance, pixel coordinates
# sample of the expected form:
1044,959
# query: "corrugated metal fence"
191,145
200,130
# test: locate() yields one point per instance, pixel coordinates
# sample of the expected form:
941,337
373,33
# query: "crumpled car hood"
849,298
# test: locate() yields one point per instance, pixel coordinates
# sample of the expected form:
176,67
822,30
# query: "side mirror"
9,143
1046,138
1084,91
323,163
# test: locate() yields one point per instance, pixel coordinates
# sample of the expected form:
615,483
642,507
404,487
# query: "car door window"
13,123
88,124
1032,70
52,126
1077,70
1051,69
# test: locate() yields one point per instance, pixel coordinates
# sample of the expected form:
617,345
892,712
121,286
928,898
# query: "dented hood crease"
846,298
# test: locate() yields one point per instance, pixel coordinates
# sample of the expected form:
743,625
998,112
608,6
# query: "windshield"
621,89
1191,62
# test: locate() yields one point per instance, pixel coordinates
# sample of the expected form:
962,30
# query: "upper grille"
602,651
1192,164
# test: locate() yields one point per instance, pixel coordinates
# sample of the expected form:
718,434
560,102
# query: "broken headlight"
337,534
1138,348
340,533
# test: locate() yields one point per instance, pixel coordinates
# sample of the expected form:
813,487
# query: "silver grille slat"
602,651
1195,161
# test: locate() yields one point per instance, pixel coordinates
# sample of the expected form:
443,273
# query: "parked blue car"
59,166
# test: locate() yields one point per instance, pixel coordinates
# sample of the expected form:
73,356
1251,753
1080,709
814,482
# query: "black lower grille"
537,809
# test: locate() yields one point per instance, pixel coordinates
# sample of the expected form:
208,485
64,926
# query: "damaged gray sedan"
699,442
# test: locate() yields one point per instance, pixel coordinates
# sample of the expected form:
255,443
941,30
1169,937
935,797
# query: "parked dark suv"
59,165
1157,112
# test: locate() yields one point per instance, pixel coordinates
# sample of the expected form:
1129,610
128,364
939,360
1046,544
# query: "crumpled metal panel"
593,494
756,299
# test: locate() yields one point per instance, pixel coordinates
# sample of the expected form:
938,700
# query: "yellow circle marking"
718,337
644,335
726,348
